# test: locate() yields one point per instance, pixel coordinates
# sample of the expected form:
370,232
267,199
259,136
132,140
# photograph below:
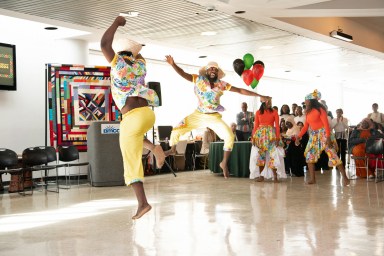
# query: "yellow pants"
198,120
134,125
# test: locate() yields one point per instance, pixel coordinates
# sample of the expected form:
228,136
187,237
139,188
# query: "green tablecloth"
238,163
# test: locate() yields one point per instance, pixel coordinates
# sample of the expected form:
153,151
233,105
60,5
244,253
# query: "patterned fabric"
316,144
209,99
264,139
129,81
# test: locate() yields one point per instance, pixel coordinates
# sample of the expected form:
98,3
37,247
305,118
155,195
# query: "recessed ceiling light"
287,71
208,33
240,12
129,14
266,47
202,56
50,28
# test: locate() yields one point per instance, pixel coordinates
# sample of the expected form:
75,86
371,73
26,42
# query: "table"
238,162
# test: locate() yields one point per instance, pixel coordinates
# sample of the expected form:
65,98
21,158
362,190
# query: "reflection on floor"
199,213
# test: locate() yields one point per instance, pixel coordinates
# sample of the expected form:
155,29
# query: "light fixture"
340,35
208,33
129,14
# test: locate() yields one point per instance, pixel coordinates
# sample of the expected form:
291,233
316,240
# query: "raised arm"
249,93
107,39
178,70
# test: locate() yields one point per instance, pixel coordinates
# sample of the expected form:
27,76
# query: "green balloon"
248,60
254,83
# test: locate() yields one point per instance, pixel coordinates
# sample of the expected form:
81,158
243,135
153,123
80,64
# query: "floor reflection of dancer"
132,97
319,138
208,88
266,137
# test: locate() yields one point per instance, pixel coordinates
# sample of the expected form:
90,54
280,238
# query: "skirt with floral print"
316,144
265,139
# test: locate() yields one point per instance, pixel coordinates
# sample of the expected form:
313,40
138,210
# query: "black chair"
71,158
52,164
34,159
374,150
9,163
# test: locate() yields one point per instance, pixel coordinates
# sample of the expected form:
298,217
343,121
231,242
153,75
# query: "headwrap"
315,95
203,70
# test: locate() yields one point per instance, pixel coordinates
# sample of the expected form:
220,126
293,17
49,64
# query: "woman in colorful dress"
266,137
319,137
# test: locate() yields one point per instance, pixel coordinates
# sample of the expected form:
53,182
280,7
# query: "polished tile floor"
199,213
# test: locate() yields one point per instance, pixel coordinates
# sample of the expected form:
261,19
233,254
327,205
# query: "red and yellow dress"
318,122
265,135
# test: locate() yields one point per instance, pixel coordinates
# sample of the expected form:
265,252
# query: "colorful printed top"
267,119
129,81
209,99
316,120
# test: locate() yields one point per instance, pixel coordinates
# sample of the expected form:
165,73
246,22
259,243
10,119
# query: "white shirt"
376,117
339,126
300,119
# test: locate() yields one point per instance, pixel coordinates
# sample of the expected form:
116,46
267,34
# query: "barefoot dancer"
208,88
132,97
319,137
266,137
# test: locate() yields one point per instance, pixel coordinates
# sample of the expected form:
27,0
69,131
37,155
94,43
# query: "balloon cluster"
250,71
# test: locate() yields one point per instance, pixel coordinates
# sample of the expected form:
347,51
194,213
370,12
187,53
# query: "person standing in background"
299,116
244,121
376,116
294,106
340,126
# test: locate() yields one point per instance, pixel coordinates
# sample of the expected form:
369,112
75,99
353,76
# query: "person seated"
238,134
356,145
208,137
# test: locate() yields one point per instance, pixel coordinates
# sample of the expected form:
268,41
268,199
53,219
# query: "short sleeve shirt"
129,81
209,98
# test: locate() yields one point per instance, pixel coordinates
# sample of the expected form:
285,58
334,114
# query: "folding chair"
374,152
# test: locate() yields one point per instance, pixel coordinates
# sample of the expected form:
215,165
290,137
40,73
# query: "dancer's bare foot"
141,211
310,182
346,182
225,170
260,179
160,156
276,180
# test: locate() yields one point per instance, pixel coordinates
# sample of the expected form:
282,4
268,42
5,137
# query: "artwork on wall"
77,96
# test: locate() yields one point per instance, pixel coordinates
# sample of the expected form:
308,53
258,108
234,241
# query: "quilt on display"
77,96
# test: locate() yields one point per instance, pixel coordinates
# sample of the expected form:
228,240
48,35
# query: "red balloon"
258,71
247,76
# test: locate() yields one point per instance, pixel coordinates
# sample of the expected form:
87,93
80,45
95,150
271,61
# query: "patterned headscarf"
315,95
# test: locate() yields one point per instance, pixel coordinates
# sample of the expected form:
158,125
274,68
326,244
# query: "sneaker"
371,176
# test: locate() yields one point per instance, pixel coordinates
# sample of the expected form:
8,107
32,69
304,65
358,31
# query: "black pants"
342,144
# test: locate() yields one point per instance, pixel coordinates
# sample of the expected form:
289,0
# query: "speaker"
156,87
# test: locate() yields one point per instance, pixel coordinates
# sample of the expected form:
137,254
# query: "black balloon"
259,62
238,66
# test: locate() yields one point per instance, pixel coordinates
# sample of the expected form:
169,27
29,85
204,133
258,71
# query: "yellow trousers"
134,125
198,120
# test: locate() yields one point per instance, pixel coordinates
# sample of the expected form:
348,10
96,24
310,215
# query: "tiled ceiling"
178,24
